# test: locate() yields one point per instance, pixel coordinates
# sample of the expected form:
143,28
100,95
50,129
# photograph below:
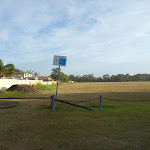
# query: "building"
46,78
22,74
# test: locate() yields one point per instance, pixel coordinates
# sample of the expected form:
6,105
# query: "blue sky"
97,36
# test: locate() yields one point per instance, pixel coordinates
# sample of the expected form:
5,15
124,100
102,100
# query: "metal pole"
25,97
74,104
100,102
57,81
52,102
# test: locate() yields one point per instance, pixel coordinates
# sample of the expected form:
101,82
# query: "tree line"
106,78
9,70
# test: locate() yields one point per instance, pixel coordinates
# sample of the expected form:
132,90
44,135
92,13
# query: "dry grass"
121,125
99,87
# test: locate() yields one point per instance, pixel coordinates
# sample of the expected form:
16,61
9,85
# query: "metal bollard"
52,102
100,103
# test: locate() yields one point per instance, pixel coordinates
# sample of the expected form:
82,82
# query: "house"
22,74
46,78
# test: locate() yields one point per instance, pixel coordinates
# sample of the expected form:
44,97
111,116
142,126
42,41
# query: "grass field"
123,124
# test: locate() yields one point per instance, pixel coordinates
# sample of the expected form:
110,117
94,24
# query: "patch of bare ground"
22,88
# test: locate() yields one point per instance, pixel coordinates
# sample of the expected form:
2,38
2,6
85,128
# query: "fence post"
52,102
55,101
100,103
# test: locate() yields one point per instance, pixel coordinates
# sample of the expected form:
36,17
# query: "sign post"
57,81
59,61
100,103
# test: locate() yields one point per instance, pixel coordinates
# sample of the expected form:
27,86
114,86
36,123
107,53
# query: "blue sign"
59,60
62,62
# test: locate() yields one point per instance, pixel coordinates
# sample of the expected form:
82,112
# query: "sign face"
59,60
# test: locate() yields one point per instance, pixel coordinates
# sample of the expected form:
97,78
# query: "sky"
97,36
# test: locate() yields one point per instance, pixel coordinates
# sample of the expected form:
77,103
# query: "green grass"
45,87
124,122
12,94
18,94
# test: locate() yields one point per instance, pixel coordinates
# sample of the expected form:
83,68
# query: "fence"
6,83
47,82
53,101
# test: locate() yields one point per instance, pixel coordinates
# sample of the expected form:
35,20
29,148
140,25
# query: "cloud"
89,32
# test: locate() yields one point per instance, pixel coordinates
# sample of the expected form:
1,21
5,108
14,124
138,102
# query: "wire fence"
62,101
125,100
81,101
104,98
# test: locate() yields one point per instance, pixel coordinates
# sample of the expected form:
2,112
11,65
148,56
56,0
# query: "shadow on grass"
8,104
58,108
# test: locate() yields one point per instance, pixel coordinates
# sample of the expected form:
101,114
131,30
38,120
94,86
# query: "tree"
139,77
36,74
147,77
71,77
9,70
106,77
63,77
54,73
91,78
128,77
113,78
99,79
120,78
1,68
31,72
88,78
